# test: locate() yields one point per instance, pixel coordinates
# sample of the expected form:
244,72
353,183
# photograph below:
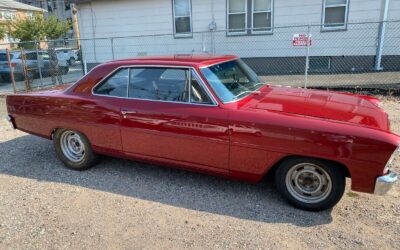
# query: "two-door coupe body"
212,114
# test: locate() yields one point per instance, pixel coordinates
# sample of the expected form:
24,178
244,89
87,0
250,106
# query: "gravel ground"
123,204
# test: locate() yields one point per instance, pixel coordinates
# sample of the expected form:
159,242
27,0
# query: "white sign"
301,39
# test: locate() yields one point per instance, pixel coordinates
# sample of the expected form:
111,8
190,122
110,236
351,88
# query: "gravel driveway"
123,204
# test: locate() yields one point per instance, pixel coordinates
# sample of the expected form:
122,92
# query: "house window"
182,17
259,11
262,16
237,16
335,14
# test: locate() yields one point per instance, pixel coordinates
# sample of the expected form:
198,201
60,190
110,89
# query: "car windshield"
232,80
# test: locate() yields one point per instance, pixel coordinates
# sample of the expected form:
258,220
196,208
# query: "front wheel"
74,149
310,184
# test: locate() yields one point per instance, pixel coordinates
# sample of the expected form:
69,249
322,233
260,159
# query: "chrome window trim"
189,68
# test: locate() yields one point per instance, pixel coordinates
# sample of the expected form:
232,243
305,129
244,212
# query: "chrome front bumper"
11,121
384,183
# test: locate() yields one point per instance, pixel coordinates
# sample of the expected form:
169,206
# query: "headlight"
394,156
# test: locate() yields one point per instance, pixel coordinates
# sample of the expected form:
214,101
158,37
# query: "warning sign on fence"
301,39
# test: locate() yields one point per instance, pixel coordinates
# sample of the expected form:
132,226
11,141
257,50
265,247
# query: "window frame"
255,12
186,34
188,68
346,15
249,20
233,33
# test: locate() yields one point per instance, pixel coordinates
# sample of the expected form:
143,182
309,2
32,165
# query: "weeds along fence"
358,57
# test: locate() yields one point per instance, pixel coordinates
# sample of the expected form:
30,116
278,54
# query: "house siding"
147,18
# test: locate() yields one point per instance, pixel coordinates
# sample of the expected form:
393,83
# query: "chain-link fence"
26,66
362,56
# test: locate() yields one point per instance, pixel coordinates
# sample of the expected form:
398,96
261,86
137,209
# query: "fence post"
307,57
212,42
112,48
40,61
11,70
381,38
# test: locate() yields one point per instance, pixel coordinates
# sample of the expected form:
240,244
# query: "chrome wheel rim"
308,182
72,146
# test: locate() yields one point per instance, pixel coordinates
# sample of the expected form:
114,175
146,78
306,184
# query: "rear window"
3,56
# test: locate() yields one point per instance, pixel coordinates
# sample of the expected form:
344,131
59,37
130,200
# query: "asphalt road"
122,204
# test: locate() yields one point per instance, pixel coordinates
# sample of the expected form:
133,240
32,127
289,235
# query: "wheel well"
340,166
52,133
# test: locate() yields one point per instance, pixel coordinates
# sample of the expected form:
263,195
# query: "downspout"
381,37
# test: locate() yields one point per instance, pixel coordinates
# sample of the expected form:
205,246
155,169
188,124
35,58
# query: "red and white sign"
301,39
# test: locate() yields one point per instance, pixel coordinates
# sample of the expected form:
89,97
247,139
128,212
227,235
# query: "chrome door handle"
126,112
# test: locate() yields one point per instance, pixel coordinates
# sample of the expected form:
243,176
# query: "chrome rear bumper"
384,183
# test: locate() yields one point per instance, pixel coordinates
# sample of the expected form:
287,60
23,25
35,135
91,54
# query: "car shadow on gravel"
34,158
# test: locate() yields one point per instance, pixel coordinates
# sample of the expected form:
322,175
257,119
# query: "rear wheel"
74,149
310,184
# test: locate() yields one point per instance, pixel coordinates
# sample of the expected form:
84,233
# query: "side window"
31,56
116,85
197,92
163,84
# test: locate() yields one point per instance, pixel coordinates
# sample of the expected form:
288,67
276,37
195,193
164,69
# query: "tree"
38,28
3,32
55,28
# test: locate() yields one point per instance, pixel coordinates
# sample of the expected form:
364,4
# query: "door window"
165,84
197,92
116,85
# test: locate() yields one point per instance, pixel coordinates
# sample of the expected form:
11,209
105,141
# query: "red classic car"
212,114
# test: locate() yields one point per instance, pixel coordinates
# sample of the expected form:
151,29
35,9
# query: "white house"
346,35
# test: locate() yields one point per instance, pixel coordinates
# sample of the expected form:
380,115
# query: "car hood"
362,110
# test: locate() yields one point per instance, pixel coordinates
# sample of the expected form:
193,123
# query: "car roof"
198,60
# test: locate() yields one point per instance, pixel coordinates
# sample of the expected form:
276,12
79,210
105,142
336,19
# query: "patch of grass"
352,195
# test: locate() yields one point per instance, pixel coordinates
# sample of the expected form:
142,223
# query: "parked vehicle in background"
212,114
78,54
69,54
33,64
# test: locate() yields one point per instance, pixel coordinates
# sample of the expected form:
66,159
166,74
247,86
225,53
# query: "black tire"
302,168
89,158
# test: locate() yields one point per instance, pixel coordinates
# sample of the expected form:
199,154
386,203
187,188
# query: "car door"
102,110
170,116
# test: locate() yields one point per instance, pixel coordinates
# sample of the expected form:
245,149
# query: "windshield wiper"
248,91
